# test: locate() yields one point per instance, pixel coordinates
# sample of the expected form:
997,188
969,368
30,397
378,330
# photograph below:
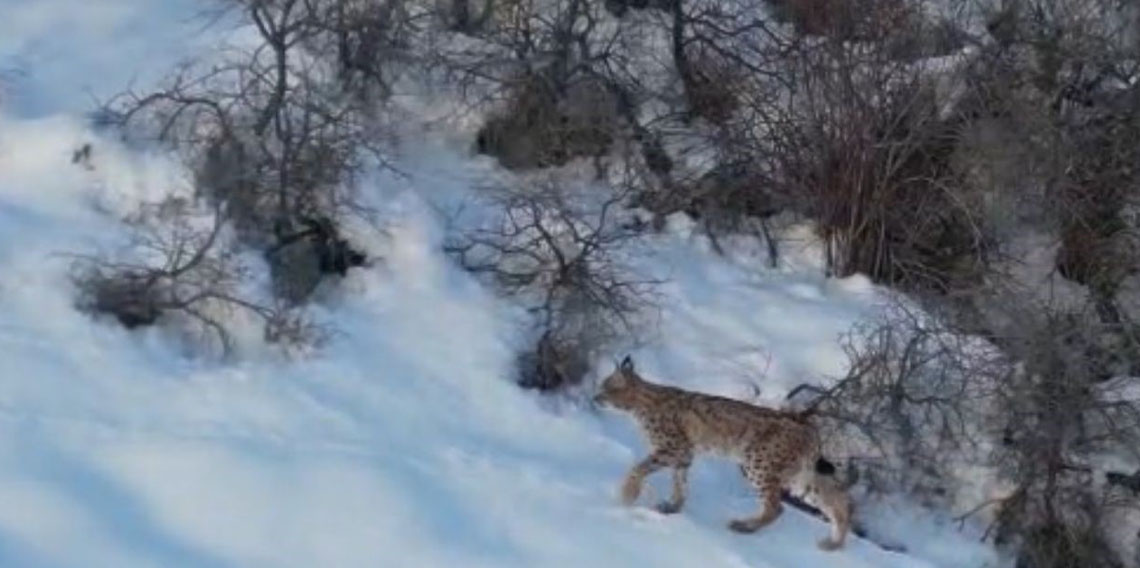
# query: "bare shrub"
1062,426
1061,82
843,129
543,124
560,80
915,404
372,41
837,18
278,131
547,75
867,154
466,16
720,52
620,8
925,408
724,59
712,84
181,268
558,249
1098,243
898,24
1064,74
1060,422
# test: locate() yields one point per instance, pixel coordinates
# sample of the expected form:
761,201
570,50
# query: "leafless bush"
1098,240
372,41
1065,74
924,407
1060,422
1061,81
558,249
548,75
867,153
181,269
466,16
723,53
915,404
712,84
539,126
559,80
724,59
838,128
277,132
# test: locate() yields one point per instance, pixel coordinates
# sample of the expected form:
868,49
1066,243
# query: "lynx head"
620,387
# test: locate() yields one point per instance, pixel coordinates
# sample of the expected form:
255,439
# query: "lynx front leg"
631,488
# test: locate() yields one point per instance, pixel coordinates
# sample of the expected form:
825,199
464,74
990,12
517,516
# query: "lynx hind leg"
766,480
680,491
824,493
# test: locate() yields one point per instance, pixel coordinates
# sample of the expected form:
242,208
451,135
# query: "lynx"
776,449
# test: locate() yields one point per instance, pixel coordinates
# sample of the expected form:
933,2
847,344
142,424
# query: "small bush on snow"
182,266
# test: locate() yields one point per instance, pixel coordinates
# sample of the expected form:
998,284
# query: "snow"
737,329
65,53
403,442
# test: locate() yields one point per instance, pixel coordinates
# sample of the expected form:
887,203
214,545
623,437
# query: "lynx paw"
744,526
629,493
828,544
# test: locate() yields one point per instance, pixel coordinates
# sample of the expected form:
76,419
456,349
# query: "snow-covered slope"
403,443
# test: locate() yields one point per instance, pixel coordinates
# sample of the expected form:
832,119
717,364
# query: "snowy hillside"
403,443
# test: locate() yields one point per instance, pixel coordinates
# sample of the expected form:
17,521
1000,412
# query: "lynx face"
620,387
